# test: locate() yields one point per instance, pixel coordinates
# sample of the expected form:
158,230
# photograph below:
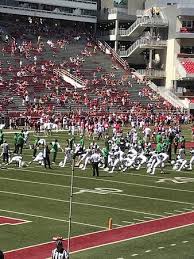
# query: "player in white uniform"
142,159
191,162
26,137
18,160
42,141
86,158
181,162
130,159
39,158
157,161
67,157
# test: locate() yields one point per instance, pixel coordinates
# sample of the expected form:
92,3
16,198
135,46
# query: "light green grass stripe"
119,194
78,203
110,181
49,218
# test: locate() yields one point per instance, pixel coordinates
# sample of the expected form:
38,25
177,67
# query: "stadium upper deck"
156,38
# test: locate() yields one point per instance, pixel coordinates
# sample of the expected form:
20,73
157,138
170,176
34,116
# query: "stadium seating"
188,65
31,87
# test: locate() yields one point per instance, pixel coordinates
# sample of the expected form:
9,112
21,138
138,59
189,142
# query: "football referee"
59,252
95,158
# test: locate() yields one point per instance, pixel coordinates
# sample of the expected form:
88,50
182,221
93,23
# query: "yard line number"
99,191
177,179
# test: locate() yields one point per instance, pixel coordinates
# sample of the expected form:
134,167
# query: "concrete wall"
64,3
134,5
107,4
173,48
162,3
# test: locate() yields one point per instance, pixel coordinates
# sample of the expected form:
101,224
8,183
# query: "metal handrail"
62,72
142,42
152,72
142,22
121,61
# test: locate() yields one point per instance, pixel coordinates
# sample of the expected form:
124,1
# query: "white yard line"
149,218
140,220
119,194
50,218
140,197
128,222
78,203
118,225
104,180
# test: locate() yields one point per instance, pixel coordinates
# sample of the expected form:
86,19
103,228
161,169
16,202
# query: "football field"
152,216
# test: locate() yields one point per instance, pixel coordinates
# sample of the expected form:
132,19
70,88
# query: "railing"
152,73
107,33
140,43
104,46
180,69
62,72
173,99
45,11
144,21
142,13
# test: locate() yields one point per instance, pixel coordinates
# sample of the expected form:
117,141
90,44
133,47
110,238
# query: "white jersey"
26,135
59,255
42,141
16,159
39,157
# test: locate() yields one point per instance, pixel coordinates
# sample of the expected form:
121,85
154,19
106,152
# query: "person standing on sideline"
46,156
59,252
15,143
105,153
1,137
20,142
95,158
55,147
5,151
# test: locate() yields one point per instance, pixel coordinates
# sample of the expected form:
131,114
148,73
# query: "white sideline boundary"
14,224
111,243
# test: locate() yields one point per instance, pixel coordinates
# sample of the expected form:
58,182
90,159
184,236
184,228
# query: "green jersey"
81,142
15,138
54,147
105,152
159,147
158,138
20,140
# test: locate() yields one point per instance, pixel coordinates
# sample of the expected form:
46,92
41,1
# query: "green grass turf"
42,197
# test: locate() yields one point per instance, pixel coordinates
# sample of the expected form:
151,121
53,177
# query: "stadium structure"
145,43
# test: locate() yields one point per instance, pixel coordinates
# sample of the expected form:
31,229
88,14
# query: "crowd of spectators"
31,55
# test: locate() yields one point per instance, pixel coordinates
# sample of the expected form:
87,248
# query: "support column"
116,34
150,58
151,50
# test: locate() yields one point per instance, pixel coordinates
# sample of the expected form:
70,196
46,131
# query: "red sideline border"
107,237
12,221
